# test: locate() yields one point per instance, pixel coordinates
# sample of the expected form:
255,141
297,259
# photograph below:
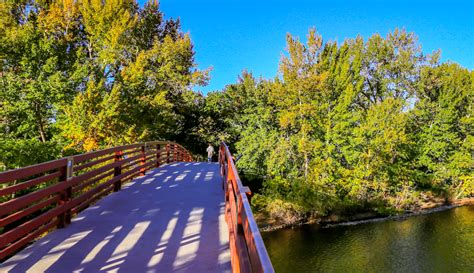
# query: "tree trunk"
39,120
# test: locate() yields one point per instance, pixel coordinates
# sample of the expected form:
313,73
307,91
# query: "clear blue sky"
231,35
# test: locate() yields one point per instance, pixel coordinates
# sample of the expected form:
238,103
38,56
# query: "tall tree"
36,67
443,124
139,71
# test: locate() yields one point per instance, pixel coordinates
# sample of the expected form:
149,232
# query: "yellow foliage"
90,144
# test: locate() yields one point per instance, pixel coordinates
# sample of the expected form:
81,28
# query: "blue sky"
231,36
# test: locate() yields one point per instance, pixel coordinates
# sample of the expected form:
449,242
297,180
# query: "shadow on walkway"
170,220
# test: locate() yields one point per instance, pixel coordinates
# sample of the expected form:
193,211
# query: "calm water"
438,242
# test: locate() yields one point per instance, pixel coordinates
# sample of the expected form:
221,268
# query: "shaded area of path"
170,220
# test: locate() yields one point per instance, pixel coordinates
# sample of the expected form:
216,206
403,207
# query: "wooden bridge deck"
170,220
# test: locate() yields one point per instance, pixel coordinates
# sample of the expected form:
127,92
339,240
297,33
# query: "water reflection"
439,242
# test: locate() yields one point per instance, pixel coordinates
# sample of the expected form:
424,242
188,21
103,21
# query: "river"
436,242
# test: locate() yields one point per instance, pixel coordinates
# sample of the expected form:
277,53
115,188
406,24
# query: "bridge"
144,207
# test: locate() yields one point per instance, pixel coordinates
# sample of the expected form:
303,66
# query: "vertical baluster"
118,170
174,153
158,155
143,159
66,173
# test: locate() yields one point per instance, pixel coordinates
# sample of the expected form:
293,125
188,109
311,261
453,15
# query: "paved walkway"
170,220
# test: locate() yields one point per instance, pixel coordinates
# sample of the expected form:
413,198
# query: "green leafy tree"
36,67
443,124
89,74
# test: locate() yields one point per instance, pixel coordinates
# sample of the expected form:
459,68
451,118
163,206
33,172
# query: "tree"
361,125
297,98
90,74
443,124
36,67
138,70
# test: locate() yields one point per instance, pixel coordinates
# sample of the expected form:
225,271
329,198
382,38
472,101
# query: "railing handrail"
248,252
70,185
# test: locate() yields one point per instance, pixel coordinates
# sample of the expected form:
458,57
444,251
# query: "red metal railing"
248,252
40,197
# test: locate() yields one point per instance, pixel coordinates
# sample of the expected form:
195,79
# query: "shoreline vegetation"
369,124
268,225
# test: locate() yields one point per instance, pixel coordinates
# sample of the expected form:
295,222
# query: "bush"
16,153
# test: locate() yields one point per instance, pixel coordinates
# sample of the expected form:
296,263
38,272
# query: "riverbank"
266,224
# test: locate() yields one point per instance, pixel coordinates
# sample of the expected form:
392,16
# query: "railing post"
178,153
66,173
167,153
248,193
223,166
143,159
174,152
158,155
118,171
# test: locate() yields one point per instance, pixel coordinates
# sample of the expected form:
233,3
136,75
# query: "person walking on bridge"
210,153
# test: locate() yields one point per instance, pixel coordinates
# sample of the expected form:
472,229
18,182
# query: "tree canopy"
89,74
364,124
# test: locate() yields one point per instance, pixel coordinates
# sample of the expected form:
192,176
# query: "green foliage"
371,123
443,126
89,74
35,71
18,153
360,125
